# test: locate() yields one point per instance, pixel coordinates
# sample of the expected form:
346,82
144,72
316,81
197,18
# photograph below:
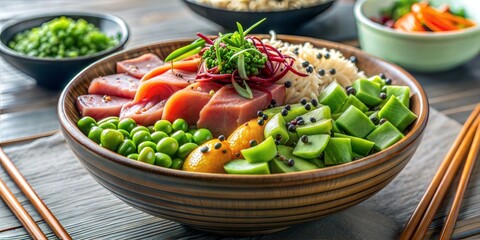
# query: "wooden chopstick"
449,225
20,212
421,209
42,209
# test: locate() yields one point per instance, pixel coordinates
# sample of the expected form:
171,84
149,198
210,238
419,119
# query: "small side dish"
260,5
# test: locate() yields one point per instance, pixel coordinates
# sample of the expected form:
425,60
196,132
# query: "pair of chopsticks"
464,150
26,220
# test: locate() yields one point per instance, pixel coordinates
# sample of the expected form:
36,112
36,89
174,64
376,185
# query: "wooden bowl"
240,204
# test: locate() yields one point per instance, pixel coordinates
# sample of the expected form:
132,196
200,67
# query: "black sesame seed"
327,55
374,119
382,76
265,117
221,138
278,137
217,145
321,72
314,102
288,84
304,138
237,155
351,91
284,112
290,162
308,106
273,102
353,59
303,101
295,51
388,81
288,107
319,55
309,69
259,113
252,143
204,149
261,121
270,106
294,122
224,151
291,128
277,142
282,158
383,95
382,121
333,71
298,118
312,119
305,64
301,122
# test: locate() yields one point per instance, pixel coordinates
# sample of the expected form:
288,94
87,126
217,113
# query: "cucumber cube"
401,92
333,95
355,123
353,101
242,166
335,128
312,149
263,152
367,91
317,162
318,127
384,136
338,151
319,114
276,126
359,145
395,112
278,166
378,80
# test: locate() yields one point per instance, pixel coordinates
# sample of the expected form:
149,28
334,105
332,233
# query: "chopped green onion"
199,43
253,26
244,92
241,67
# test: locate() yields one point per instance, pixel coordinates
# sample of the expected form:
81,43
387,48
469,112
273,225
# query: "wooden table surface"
27,110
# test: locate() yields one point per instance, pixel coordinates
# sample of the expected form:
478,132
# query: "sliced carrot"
188,65
408,23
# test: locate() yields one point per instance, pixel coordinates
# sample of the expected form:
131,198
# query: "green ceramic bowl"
426,52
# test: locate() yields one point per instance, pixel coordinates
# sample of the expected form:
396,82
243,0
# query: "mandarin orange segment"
209,157
244,135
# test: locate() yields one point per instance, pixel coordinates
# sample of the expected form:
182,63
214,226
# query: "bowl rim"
70,128
100,15
360,17
193,2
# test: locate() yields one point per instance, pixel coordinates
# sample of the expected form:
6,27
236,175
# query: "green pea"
94,134
185,150
202,135
157,136
107,125
133,156
85,124
124,132
151,129
145,144
177,163
180,124
168,146
141,136
127,124
192,130
163,160
138,129
112,119
111,139
127,147
164,126
147,155
189,137
179,136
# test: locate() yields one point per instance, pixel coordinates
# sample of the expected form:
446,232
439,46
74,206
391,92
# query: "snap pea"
111,139
177,163
163,160
145,144
127,147
147,155
127,124
180,124
141,136
168,146
85,124
163,126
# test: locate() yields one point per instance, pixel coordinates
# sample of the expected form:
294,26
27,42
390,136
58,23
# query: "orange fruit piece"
243,135
208,157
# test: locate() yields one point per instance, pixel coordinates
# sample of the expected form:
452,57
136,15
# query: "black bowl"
55,73
287,21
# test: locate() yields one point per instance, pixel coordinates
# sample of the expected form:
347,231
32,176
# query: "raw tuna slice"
121,85
145,112
187,103
227,110
163,86
100,106
137,67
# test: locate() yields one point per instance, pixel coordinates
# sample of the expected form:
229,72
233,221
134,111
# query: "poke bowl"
235,204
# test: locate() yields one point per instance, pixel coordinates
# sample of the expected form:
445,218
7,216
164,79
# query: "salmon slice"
145,112
227,110
121,85
164,85
100,106
187,103
139,66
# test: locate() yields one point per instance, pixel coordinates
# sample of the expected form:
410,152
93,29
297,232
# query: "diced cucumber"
335,128
338,151
356,156
353,101
272,111
263,152
359,145
396,113
278,166
320,113
384,136
242,166
401,92
318,127
292,138
276,126
355,123
378,80
367,91
296,110
311,149
333,95
318,162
